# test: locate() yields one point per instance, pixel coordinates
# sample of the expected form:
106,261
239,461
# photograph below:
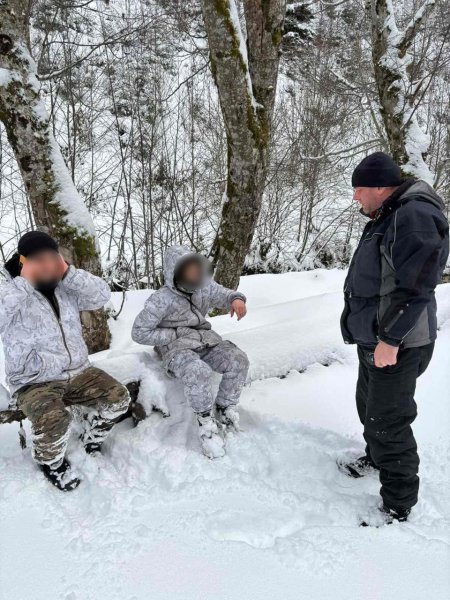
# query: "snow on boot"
211,441
229,417
386,516
61,477
93,448
395,514
360,467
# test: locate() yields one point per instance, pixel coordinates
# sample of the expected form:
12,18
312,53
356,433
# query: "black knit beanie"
377,170
35,241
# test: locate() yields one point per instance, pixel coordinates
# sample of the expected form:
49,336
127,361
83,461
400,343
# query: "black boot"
61,477
395,514
93,448
385,516
357,468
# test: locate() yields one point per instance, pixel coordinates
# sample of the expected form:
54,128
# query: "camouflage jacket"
38,345
172,320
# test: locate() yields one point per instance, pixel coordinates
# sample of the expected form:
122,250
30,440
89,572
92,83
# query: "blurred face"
46,266
370,198
192,273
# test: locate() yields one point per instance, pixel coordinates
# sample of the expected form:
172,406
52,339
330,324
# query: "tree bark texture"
245,72
56,205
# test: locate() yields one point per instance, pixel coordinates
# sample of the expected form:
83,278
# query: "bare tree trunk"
399,95
57,207
245,72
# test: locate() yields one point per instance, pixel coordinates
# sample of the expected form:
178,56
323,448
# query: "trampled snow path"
274,519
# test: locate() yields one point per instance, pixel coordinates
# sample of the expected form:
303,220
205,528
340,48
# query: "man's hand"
238,307
385,355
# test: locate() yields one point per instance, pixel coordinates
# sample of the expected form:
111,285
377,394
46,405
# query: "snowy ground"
156,520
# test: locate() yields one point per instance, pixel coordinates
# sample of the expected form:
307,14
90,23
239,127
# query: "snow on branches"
393,60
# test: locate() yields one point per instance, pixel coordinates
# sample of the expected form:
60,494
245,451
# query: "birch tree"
56,205
245,70
399,94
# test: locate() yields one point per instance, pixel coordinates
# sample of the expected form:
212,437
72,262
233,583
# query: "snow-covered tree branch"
392,62
56,204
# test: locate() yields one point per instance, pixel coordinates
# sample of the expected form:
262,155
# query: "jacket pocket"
31,365
394,320
189,332
348,339
361,321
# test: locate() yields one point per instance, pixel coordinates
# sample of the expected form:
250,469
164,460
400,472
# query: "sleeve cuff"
238,296
389,341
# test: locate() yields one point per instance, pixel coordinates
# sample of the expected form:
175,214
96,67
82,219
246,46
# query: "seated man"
173,320
47,365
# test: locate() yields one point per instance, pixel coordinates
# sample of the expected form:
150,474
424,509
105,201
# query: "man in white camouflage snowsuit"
47,366
173,320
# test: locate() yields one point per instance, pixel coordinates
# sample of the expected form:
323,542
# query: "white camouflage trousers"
195,369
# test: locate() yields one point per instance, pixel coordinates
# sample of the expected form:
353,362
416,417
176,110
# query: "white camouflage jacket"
172,320
38,345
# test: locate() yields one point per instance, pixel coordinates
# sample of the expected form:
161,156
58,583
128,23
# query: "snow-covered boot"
229,417
395,514
61,477
357,468
211,441
385,516
93,448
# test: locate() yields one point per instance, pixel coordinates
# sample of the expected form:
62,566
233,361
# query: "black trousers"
386,408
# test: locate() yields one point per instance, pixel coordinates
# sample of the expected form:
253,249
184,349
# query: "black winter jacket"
389,289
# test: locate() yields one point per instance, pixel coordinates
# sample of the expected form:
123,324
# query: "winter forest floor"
274,519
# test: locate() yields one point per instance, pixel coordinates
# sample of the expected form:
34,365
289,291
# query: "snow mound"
274,518
137,366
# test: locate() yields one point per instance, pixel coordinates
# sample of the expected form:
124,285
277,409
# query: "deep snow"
274,519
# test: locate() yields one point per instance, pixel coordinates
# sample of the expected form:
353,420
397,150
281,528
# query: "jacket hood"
12,265
174,256
421,190
410,189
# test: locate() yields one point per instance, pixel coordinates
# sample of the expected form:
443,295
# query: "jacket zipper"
394,320
191,304
58,320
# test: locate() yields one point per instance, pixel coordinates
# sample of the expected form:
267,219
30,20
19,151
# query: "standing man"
390,313
47,366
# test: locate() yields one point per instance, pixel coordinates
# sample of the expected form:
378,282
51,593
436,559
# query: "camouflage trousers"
195,369
47,407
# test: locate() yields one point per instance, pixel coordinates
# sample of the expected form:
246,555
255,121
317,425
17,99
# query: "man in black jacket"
390,313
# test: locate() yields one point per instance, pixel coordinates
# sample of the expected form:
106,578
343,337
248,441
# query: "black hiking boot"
93,448
395,514
386,516
61,477
357,468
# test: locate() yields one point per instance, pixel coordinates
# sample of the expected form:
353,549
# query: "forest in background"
136,112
